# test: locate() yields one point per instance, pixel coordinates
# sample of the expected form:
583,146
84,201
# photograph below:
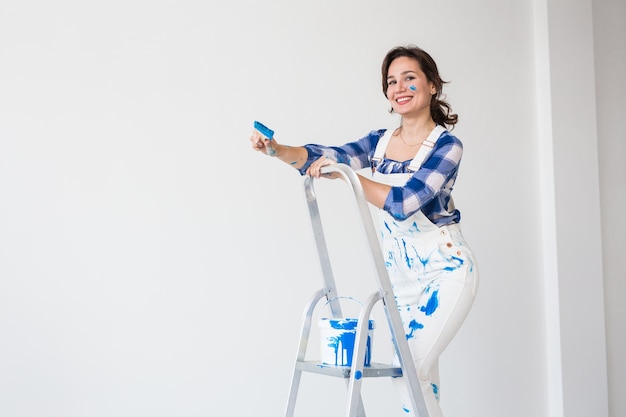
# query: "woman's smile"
403,99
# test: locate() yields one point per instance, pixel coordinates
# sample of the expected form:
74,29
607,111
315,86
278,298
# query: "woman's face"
408,89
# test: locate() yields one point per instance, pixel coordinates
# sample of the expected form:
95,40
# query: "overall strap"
381,148
426,147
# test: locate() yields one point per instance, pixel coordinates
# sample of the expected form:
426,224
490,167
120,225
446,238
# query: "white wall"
610,59
151,264
574,281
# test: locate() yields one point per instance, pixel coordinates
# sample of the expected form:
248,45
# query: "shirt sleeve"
356,155
431,184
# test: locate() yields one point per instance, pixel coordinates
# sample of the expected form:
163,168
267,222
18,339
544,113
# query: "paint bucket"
338,337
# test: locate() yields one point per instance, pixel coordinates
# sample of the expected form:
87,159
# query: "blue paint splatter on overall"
432,304
414,325
423,260
435,390
459,260
459,264
408,260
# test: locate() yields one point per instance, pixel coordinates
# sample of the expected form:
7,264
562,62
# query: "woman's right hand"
262,144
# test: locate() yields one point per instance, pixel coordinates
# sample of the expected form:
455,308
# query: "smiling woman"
432,269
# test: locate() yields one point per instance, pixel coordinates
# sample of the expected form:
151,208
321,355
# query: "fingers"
315,169
256,141
260,143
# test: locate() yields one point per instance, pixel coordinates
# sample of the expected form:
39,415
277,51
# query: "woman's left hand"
315,169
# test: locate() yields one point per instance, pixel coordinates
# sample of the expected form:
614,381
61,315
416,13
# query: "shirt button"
443,233
458,253
449,244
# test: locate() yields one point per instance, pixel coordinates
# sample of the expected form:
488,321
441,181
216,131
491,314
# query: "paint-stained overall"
434,279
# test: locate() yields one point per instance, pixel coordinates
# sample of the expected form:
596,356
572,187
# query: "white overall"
434,279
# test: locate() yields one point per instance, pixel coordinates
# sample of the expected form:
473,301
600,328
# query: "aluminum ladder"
355,373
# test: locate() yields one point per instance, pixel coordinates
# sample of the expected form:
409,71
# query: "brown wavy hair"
440,110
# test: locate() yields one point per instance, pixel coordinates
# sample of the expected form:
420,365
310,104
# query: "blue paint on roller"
264,130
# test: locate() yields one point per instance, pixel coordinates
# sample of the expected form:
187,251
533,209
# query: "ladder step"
372,371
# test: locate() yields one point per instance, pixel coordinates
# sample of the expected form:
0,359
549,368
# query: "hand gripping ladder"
357,371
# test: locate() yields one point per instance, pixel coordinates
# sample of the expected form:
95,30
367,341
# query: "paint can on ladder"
338,338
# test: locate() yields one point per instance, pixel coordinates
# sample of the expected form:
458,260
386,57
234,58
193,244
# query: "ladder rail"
322,248
327,272
305,331
358,358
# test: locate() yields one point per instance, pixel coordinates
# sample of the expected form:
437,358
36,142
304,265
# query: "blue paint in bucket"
338,337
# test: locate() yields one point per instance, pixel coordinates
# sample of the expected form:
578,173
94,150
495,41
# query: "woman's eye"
391,82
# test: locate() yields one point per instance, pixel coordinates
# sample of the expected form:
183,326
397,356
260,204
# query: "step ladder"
355,373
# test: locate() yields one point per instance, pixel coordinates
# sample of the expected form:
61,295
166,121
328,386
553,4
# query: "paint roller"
268,133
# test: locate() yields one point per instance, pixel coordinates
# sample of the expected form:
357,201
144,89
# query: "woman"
431,268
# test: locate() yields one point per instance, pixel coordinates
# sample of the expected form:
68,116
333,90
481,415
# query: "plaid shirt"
428,189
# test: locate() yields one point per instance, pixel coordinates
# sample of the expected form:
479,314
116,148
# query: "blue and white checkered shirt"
427,190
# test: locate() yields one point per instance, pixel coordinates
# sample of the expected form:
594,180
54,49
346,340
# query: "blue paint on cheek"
432,304
412,88
414,325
